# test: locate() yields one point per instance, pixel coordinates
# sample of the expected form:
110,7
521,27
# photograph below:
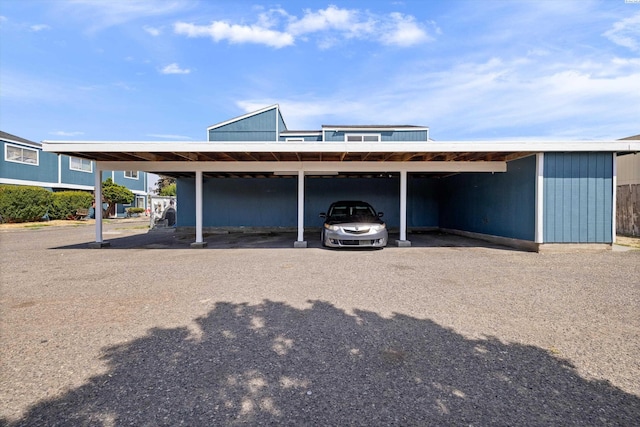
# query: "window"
17,154
131,174
78,164
367,137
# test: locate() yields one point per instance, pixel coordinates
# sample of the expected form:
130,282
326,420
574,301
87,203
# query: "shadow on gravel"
275,364
273,240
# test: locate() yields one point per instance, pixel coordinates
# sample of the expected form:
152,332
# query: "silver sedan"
353,224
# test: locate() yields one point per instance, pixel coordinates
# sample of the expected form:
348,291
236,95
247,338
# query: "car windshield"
342,212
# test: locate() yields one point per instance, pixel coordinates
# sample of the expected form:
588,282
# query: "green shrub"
23,204
66,203
134,211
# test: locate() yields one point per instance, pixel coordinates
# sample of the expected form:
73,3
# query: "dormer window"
362,137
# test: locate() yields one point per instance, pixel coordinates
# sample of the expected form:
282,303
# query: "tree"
169,190
163,185
113,193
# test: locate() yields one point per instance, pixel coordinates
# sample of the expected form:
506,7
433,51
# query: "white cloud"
39,27
174,68
276,28
64,133
152,30
220,30
404,31
626,33
99,15
511,97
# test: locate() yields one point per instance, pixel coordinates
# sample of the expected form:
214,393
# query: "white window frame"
297,139
362,136
71,158
22,162
131,174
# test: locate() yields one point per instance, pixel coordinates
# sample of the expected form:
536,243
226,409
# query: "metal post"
539,228
300,243
403,210
199,243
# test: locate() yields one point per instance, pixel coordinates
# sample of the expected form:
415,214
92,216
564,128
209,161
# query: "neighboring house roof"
244,116
16,139
635,137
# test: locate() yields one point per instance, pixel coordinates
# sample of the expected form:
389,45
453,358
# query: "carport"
264,159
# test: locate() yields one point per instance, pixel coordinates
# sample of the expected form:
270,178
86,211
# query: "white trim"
59,168
539,227
199,207
244,116
124,173
11,181
81,159
337,147
403,205
300,133
7,159
374,128
300,206
294,139
97,197
312,167
362,135
35,145
614,203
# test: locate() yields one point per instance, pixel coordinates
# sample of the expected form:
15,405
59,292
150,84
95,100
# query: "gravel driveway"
250,331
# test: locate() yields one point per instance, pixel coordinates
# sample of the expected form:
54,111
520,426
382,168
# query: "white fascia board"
45,184
311,167
301,133
30,144
244,116
338,147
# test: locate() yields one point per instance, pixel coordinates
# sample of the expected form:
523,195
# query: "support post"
199,243
300,242
97,193
614,202
403,242
539,229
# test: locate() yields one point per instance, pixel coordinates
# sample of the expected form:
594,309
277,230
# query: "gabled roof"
244,116
16,139
635,137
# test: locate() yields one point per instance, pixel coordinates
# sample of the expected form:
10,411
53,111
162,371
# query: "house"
254,171
628,193
25,163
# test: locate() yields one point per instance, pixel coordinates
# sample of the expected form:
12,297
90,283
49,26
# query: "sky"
469,70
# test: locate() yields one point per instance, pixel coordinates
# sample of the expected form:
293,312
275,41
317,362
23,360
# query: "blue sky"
470,70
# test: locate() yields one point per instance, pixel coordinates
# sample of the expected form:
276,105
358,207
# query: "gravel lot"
251,331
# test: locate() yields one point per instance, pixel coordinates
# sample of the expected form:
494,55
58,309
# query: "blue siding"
422,202
69,176
304,137
249,202
500,204
273,202
281,126
387,136
45,171
578,194
382,193
259,127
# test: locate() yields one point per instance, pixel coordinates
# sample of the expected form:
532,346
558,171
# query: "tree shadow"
275,364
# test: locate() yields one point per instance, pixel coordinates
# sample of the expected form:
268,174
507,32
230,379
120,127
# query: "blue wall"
73,176
255,202
578,193
386,136
45,171
500,204
259,127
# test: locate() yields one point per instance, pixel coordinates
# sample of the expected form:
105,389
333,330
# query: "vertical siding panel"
574,213
608,191
599,198
592,194
549,196
584,199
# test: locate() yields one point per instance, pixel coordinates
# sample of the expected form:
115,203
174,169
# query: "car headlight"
378,227
331,227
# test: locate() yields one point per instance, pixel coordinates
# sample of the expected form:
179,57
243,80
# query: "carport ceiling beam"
355,166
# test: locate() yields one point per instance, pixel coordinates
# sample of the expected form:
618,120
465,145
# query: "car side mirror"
380,214
323,215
